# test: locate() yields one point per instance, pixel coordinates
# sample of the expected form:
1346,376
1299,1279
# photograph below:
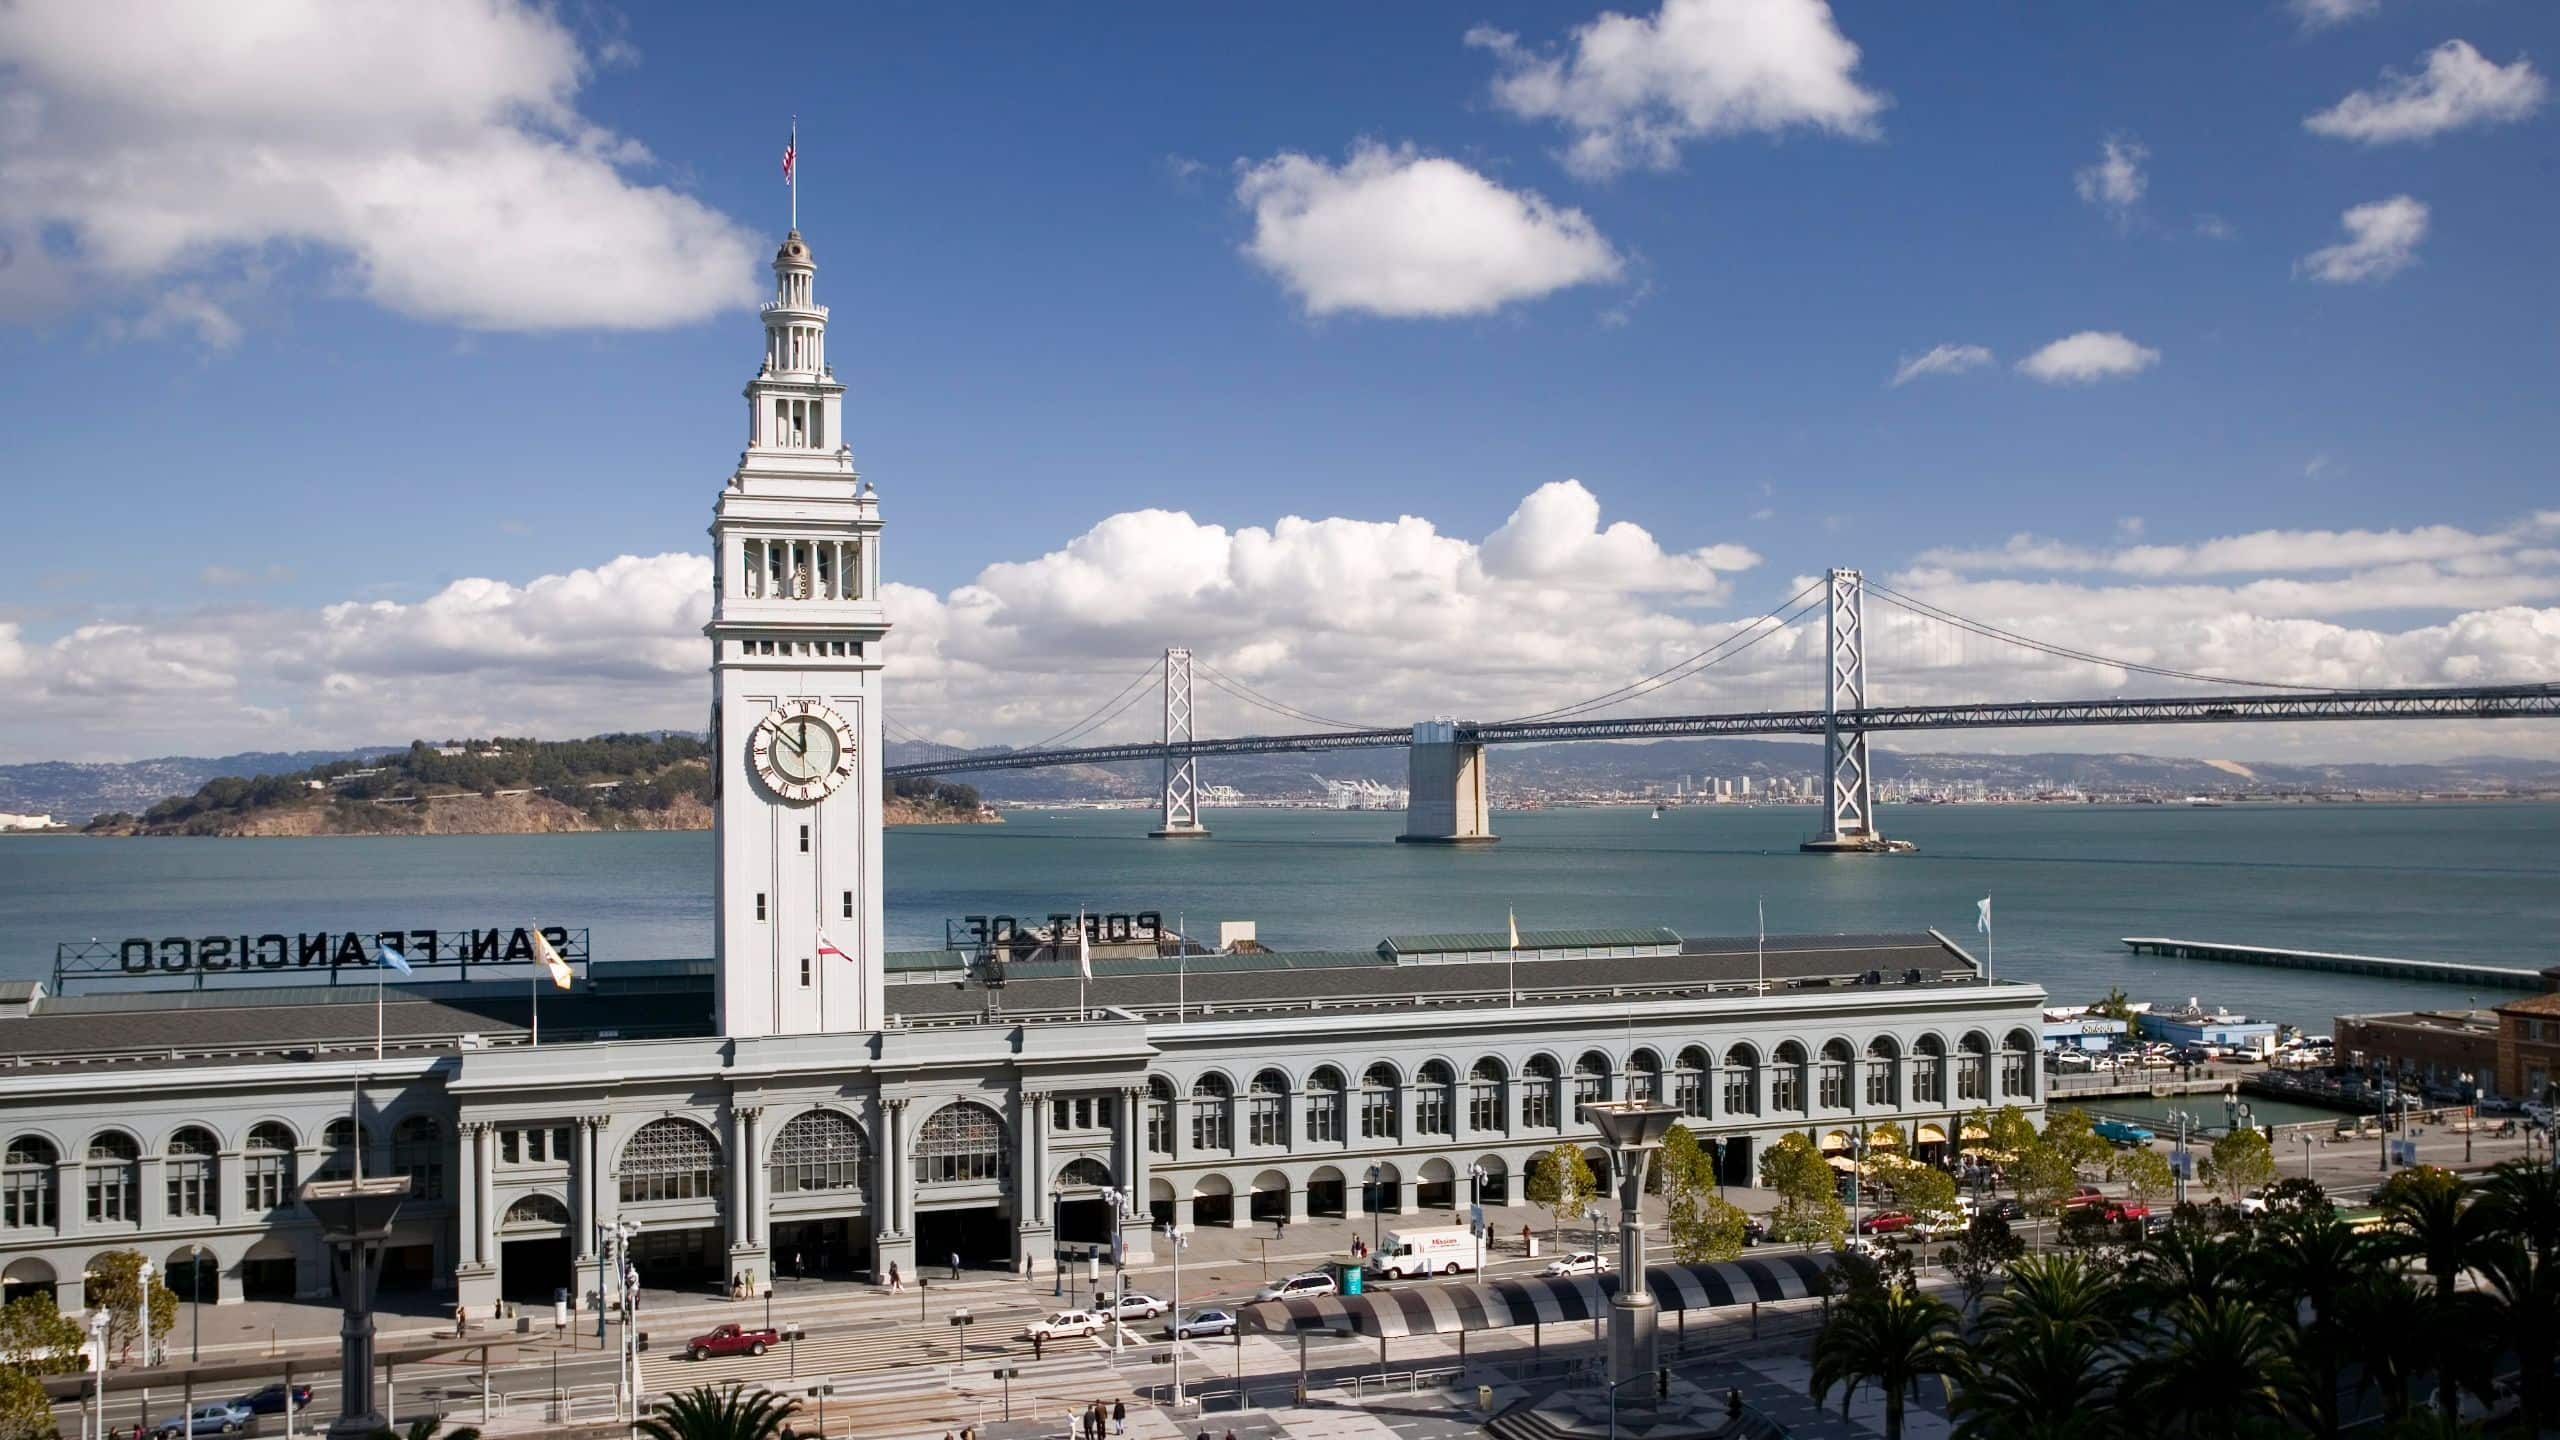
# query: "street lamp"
1375,1173
195,1311
1175,1235
1633,1131
2305,1138
1475,1211
1119,1203
1057,1242
148,1270
98,1368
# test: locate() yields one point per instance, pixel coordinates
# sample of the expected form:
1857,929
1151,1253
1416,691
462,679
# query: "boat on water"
2202,802
1657,812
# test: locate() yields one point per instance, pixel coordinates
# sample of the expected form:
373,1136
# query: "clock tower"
796,631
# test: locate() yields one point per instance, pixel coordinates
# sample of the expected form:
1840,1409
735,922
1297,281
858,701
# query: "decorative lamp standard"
1376,1172
1119,1203
98,1370
1178,1239
1633,1131
1475,1211
1057,1245
148,1270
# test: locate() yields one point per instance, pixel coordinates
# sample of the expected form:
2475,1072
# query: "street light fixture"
1376,1173
98,1369
1057,1244
1633,1131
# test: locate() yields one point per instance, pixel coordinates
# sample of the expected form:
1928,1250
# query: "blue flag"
385,955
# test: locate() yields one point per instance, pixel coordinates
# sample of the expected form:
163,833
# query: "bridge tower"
1181,772
1849,819
1445,800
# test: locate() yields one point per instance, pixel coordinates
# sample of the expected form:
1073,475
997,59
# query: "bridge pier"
1445,789
1849,815
1181,771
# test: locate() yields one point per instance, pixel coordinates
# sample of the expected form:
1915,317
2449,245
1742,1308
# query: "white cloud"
2115,181
432,158
2382,240
2323,14
1940,360
2271,551
2087,357
2213,227
2459,88
1632,89
1395,232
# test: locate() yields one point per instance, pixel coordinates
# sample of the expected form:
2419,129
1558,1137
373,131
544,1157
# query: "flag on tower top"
828,947
790,153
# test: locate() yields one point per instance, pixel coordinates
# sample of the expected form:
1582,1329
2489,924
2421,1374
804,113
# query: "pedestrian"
1524,1239
897,1282
955,1264
1039,1344
1026,1267
1119,1418
461,1320
799,1271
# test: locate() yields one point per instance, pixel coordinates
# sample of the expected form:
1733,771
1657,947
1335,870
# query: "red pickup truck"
730,1340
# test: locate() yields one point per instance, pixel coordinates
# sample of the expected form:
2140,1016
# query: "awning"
1427,1308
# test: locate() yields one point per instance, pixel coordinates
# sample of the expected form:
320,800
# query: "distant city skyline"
376,368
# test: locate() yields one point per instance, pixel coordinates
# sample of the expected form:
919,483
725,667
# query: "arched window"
1159,1115
189,1168
266,1166
1485,1110
1540,1093
818,1150
1267,1122
1882,1053
115,1177
26,1184
1435,1100
337,1144
1929,1071
962,1144
1689,1082
417,1151
2018,1065
669,1159
1786,1079
1084,1172
1973,1067
1644,1075
543,1211
1741,1069
1211,1108
1378,1118
1835,1075
1590,1079
1325,1090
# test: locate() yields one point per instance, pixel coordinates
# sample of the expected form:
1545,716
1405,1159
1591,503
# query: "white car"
1308,1286
1064,1325
1134,1306
1580,1262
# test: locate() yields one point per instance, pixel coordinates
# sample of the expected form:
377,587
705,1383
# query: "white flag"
1515,928
549,959
1084,948
1982,915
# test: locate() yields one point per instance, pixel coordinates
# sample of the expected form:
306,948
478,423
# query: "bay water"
2465,882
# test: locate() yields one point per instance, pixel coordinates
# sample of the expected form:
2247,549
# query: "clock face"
803,750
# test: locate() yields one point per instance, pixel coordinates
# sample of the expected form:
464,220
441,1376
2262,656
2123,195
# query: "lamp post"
98,1370
148,1270
1475,1211
355,1219
1118,1202
1175,1235
1376,1173
195,1311
2305,1138
1633,1131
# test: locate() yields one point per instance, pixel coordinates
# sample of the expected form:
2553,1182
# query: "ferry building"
808,1099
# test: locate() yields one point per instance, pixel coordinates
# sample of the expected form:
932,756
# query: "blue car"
2119,1132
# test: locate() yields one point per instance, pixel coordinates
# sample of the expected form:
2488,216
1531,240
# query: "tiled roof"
2546,1003
1472,941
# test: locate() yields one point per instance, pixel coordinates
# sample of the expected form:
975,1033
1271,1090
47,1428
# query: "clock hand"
792,734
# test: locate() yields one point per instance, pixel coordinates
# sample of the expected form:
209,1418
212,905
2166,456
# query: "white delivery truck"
1444,1251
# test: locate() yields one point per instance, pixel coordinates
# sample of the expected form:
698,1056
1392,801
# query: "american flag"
790,152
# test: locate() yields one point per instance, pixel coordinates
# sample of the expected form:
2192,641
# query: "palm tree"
2303,1262
2064,1290
2388,1318
1894,1337
729,1413
2037,1381
2521,1202
2186,1264
2220,1370
2439,1226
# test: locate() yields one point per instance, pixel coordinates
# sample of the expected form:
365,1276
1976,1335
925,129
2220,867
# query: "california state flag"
549,959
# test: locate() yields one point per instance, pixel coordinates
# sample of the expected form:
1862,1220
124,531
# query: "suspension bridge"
1448,803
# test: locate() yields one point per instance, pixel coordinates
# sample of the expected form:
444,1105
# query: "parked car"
731,1340
2120,1210
1754,1230
2084,1197
1134,1306
222,1417
1885,1222
1064,1325
2121,1133
1580,1262
2003,1209
1309,1286
270,1401
1941,1224
1867,1245
1202,1325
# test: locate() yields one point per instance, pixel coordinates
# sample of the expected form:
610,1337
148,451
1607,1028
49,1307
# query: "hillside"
485,787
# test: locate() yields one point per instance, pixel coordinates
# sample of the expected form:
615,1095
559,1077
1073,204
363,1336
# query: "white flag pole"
1760,950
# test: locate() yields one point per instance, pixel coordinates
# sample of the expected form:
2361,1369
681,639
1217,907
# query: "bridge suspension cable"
1923,609
1246,693
1104,713
1734,644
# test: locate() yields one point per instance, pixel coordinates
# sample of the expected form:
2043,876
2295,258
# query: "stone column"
582,1226
475,1276
485,1212
606,1194
70,1201
230,1188
466,1195
1131,1167
152,1205
882,1201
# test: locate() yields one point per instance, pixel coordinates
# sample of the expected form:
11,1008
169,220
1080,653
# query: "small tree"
2045,1178
2243,1162
1987,1250
2145,1172
36,1337
1560,1180
26,1412
2116,1005
1920,1189
2010,1129
2070,1133
115,1285
1809,1209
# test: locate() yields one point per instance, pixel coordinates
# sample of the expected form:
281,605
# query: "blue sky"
1033,227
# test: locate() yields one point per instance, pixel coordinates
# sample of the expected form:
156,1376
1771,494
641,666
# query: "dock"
2443,972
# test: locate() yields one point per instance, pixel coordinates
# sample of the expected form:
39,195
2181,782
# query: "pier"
2447,972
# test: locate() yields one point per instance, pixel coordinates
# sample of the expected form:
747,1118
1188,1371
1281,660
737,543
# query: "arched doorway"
1213,1202
267,1272
1386,1189
817,1171
963,1165
1492,1180
671,1160
193,1274
1083,1216
1325,1193
1270,1201
534,1255
26,1276
1437,1186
